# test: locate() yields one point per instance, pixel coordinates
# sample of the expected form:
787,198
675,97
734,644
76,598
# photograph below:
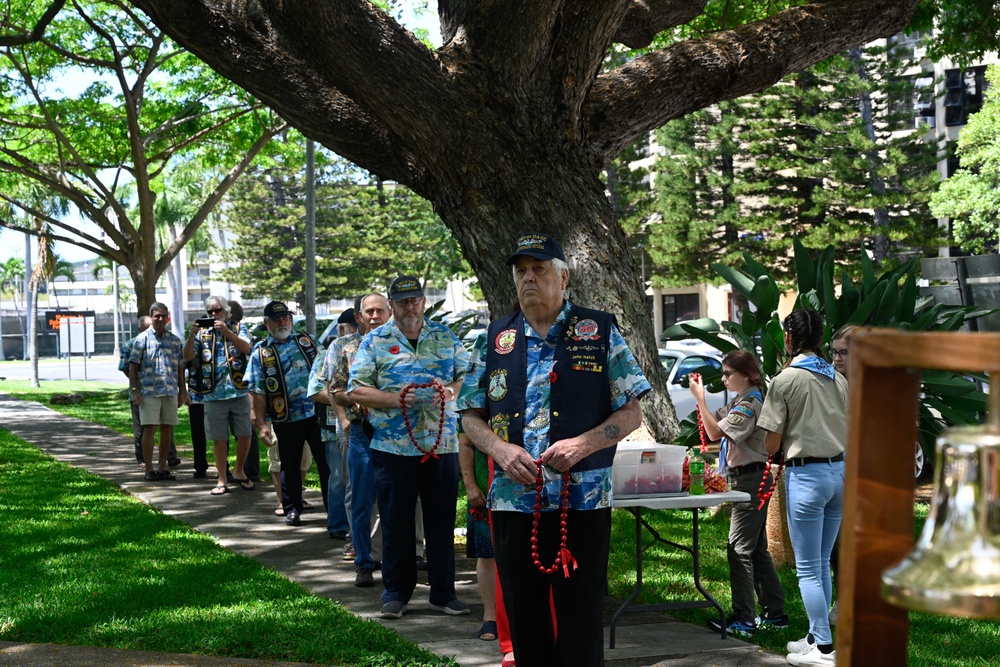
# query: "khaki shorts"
217,414
157,410
274,463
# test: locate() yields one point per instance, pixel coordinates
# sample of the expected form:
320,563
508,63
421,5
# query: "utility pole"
310,237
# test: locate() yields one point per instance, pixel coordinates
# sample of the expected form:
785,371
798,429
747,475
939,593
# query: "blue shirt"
317,383
159,360
224,388
386,361
294,367
589,489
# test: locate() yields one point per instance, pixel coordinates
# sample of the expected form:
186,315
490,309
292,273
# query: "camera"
205,322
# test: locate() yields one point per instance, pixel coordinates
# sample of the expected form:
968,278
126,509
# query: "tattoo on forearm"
612,432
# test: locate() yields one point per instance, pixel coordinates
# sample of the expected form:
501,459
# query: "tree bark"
506,127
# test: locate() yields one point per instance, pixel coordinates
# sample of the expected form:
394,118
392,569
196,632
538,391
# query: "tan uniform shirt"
809,410
738,421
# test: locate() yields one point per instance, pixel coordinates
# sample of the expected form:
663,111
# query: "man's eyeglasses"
839,353
213,311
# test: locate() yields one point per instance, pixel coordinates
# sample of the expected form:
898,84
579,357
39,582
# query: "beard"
281,333
410,322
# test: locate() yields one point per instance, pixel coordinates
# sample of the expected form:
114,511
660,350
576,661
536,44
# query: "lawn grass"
84,564
935,641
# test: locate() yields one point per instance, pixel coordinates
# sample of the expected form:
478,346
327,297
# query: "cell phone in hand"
205,322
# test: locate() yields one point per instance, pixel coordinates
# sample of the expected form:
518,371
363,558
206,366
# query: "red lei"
432,452
564,558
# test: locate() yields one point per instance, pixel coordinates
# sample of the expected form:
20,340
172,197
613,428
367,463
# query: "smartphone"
205,322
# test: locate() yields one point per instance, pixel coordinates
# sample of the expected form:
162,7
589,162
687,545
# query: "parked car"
680,358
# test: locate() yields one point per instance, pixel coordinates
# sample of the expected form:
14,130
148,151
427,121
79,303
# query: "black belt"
748,468
814,459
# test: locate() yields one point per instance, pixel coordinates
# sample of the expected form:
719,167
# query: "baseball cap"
539,246
276,309
405,287
347,317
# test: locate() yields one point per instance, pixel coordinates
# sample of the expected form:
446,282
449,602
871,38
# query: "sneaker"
765,621
364,579
813,656
801,645
735,627
174,462
338,535
833,614
165,475
151,476
393,609
421,563
454,608
350,553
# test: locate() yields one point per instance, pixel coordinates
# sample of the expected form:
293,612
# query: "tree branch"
38,31
647,18
671,82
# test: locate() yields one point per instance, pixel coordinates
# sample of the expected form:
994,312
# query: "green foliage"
367,231
799,159
971,197
963,30
887,300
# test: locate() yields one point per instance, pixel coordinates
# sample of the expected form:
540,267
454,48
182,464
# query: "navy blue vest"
580,391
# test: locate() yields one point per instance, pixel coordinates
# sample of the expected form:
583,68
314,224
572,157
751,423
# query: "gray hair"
158,307
218,300
557,264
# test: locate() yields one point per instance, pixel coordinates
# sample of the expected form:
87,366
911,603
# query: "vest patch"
505,341
498,384
271,384
585,330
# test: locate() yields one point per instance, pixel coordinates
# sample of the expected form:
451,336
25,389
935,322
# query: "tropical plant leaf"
754,268
739,280
868,279
765,295
805,268
861,315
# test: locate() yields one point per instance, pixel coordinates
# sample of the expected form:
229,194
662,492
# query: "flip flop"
220,489
245,484
279,512
488,631
306,505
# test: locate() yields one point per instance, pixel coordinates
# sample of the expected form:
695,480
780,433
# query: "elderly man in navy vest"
550,391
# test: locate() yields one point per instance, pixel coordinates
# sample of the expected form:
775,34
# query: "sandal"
306,505
246,484
488,631
279,512
220,489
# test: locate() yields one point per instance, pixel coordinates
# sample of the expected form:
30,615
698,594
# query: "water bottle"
696,470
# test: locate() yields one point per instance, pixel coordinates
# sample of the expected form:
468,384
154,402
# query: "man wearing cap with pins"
282,410
414,448
553,383
222,351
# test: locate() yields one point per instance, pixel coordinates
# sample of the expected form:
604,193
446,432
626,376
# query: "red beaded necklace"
763,495
406,418
564,558
701,425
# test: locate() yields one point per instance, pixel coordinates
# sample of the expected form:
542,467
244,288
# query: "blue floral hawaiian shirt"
294,367
318,377
386,361
224,388
159,360
590,489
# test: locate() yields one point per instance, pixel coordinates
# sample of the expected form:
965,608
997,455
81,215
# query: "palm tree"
12,280
64,269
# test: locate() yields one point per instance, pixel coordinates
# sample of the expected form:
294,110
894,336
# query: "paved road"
94,369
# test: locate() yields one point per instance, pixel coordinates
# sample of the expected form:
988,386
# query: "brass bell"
954,568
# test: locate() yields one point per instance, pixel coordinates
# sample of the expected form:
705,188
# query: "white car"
679,359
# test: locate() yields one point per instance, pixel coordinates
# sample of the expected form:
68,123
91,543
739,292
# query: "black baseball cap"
539,246
276,309
405,287
347,317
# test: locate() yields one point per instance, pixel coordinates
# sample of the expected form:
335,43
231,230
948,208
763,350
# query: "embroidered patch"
271,384
498,384
501,426
304,341
743,410
279,404
585,330
735,419
505,341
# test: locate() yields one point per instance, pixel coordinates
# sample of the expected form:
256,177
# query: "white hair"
218,300
557,264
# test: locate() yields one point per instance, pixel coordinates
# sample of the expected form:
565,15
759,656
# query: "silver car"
679,359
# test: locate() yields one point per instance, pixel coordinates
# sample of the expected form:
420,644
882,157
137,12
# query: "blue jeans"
815,506
399,481
336,512
359,467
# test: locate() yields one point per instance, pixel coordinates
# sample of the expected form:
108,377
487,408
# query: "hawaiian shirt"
386,361
342,374
317,383
124,354
224,388
589,489
333,352
295,369
159,359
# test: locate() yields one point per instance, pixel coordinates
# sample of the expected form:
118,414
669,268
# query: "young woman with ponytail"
805,414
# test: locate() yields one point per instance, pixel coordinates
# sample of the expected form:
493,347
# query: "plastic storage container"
646,469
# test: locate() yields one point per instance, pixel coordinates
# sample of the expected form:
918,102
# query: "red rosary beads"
564,558
406,418
701,425
763,495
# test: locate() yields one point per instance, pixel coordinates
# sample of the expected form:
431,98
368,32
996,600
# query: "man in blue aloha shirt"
123,356
553,383
279,384
222,350
414,452
338,523
156,383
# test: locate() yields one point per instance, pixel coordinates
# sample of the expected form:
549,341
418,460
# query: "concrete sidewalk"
244,522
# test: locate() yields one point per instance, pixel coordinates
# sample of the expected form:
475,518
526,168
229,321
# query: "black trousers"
578,599
292,437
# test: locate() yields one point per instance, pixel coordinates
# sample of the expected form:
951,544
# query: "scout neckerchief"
234,358
274,377
819,366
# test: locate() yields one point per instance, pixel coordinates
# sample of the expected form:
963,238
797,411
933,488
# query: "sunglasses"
213,311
